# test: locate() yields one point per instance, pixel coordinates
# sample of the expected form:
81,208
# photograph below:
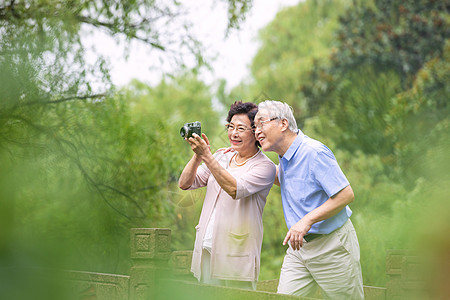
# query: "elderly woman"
230,231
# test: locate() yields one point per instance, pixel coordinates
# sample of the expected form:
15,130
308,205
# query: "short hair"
281,110
239,107
248,108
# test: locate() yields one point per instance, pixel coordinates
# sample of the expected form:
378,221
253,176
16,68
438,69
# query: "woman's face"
241,141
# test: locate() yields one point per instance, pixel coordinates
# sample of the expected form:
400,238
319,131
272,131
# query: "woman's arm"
190,170
226,181
201,148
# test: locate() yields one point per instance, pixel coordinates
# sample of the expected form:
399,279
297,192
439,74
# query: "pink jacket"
238,226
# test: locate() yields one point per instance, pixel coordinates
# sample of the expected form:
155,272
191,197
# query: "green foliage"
83,162
360,105
398,35
372,85
362,94
162,111
115,152
290,44
380,215
274,232
237,12
419,118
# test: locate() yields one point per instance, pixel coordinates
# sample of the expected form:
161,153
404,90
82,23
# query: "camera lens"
182,132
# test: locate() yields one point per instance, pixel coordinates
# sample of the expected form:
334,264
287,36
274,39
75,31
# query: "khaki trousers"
330,262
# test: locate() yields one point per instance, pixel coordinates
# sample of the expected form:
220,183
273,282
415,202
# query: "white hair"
280,110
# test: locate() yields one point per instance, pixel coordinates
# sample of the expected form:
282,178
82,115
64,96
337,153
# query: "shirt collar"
294,146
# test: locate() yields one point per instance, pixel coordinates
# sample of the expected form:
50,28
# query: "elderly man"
323,247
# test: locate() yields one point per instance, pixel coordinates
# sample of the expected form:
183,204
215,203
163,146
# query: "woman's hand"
200,146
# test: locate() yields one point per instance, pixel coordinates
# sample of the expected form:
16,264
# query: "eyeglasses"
241,129
261,123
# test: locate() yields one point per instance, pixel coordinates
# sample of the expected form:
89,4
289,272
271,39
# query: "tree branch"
76,160
111,28
125,195
66,99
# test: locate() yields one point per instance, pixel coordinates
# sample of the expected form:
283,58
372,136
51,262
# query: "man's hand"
200,146
296,234
225,150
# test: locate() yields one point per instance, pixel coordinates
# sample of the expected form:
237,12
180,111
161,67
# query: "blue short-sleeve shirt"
309,175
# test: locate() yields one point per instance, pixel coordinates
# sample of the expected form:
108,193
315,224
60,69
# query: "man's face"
268,131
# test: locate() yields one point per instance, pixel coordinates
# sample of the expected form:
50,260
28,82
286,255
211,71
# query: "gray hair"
280,110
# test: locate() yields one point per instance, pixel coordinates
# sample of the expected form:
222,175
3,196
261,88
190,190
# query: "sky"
233,54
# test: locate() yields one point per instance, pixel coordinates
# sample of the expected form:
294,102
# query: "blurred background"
90,148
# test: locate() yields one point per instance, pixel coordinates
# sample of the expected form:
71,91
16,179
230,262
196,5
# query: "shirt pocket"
297,188
238,243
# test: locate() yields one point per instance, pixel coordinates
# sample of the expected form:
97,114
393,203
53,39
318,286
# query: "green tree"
290,44
392,35
380,47
374,88
418,121
43,59
80,164
45,77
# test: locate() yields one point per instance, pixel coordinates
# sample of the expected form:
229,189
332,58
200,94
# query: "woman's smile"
236,142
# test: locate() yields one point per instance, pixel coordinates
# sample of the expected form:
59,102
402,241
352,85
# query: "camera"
189,128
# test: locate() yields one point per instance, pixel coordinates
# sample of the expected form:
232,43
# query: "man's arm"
328,209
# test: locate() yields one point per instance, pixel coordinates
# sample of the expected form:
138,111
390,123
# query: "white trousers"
330,262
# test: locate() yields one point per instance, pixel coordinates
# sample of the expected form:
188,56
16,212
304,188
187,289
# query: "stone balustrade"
158,273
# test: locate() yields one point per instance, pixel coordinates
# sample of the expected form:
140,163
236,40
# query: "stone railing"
158,273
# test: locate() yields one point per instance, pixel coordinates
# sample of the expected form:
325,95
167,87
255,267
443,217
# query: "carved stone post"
413,280
150,251
394,263
406,276
181,264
